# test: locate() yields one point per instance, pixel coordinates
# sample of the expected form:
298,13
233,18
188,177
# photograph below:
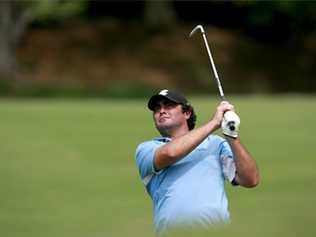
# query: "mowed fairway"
67,168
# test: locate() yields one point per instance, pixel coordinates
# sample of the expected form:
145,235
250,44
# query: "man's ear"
187,114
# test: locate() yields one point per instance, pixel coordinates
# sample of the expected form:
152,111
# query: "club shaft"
221,92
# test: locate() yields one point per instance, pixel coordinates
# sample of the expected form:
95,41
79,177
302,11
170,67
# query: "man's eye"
156,108
170,105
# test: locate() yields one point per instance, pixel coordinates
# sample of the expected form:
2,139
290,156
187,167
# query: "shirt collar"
162,139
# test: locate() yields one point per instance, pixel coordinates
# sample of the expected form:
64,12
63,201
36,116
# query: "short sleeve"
145,153
227,161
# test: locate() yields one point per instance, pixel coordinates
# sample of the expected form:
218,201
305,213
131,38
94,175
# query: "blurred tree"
13,19
287,19
56,10
16,15
159,15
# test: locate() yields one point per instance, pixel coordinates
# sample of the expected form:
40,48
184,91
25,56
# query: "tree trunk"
14,17
7,56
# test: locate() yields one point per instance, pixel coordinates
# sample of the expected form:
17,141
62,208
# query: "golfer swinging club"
184,170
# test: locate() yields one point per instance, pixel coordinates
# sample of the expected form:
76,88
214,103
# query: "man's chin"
164,128
164,125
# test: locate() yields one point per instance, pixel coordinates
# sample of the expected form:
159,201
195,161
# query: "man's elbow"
165,157
252,181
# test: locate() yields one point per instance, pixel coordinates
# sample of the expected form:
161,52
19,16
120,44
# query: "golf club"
231,117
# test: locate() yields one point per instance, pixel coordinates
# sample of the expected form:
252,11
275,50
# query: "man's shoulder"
144,144
153,142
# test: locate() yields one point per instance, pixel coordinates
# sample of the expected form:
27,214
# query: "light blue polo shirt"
191,191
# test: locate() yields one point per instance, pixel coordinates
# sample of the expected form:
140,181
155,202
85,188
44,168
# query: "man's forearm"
247,171
179,147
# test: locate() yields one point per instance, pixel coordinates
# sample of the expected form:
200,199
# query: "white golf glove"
230,124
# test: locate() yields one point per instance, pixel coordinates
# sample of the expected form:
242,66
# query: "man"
184,170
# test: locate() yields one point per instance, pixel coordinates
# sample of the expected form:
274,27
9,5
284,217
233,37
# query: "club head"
198,27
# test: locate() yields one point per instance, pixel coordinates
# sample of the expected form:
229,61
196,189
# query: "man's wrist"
216,123
232,139
213,125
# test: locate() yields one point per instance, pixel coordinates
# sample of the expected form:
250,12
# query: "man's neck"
178,133
174,133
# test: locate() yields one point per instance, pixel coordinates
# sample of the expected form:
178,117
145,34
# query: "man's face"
169,115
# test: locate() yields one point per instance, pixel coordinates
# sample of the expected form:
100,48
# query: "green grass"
67,168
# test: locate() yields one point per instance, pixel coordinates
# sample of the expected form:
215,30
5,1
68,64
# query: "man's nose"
162,110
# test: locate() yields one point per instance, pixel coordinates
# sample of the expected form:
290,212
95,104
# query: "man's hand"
219,114
230,124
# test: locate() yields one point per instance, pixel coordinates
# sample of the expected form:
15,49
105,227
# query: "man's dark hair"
191,121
